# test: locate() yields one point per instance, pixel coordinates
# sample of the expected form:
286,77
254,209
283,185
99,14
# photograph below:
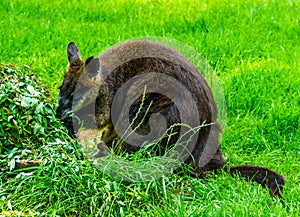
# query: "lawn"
253,46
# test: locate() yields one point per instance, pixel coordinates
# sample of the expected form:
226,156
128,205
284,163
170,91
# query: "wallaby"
99,79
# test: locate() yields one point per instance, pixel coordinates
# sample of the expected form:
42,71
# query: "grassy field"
254,48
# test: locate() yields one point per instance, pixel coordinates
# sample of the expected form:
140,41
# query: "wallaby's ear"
92,66
88,60
73,53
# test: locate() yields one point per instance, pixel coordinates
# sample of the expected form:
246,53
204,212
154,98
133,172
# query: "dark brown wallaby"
114,67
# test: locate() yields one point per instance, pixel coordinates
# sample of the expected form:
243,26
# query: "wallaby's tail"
265,177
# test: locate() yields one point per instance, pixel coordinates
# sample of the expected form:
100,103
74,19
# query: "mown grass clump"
28,122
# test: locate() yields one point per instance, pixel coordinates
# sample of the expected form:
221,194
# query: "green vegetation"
253,46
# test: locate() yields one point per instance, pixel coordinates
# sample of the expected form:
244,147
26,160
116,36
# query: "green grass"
253,46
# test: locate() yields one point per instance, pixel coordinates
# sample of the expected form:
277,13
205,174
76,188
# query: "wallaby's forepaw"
102,150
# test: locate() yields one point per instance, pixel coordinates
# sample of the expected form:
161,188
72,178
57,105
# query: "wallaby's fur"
138,57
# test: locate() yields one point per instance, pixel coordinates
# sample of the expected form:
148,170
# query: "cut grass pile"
253,46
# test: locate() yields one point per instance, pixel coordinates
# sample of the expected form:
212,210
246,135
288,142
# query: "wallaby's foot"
214,165
265,177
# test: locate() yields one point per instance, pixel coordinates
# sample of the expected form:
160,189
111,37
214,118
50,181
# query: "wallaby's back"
123,62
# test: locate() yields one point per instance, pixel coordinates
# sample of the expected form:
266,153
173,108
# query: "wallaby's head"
79,80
